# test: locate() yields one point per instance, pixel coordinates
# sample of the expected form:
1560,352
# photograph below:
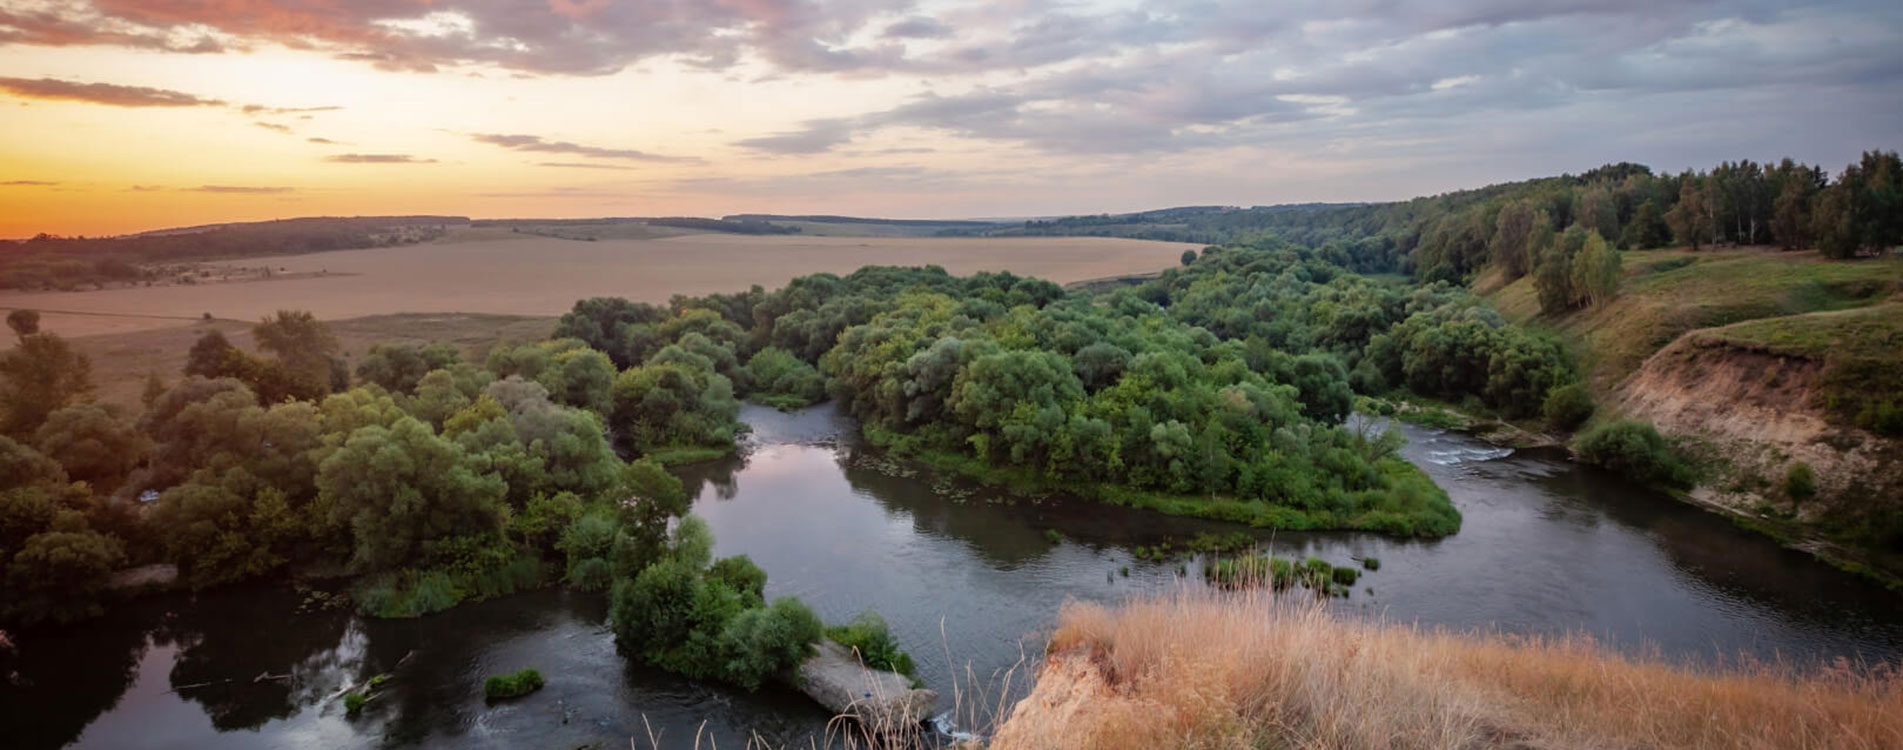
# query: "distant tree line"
49,262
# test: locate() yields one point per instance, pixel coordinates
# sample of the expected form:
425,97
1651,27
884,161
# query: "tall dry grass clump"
1198,669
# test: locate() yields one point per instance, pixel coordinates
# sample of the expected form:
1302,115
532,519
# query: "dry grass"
1203,670
522,274
121,360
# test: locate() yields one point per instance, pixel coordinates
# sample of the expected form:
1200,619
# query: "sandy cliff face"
1754,415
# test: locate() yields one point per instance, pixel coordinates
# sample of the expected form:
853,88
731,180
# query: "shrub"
512,685
1636,450
1568,406
869,635
353,703
764,641
592,574
1371,563
1800,483
1345,575
742,576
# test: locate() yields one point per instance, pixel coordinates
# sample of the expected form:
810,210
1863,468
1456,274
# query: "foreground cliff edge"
1197,669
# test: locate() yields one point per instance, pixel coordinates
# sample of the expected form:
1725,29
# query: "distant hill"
48,262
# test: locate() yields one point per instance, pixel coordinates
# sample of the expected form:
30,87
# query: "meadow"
491,271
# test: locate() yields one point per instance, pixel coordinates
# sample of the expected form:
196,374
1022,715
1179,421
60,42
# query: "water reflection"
967,577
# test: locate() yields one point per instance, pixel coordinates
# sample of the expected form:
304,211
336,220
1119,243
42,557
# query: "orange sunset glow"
124,115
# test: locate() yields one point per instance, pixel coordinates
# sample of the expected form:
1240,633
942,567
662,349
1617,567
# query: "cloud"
27,183
917,27
240,189
377,159
273,126
257,109
325,141
580,165
813,137
536,143
109,94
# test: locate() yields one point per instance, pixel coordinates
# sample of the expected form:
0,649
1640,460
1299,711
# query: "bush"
1345,575
764,641
868,635
1568,406
1800,483
512,685
1636,450
1371,563
353,703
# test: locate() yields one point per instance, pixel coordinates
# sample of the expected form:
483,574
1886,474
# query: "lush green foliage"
869,637
706,620
1568,406
1636,450
512,685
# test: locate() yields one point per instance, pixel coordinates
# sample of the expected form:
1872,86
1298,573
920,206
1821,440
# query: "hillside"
1196,670
1757,361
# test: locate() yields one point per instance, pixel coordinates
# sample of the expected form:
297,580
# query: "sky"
127,115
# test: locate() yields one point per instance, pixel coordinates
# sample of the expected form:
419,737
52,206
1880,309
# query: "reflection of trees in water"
1000,534
246,658
720,474
434,688
1714,554
53,684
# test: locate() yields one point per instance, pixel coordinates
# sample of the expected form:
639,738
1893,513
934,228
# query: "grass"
1668,293
1211,670
1860,383
414,593
515,685
869,637
689,454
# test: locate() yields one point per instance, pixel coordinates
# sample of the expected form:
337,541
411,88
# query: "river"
969,578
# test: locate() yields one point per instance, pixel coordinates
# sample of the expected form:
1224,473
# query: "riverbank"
1412,505
1750,505
1195,669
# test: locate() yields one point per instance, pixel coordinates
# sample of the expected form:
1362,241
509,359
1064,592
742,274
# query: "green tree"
305,348
92,443
1690,218
1511,246
1189,256
60,576
400,487
24,322
1596,271
41,375
399,367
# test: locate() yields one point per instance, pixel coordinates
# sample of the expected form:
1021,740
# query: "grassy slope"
121,360
1210,671
1663,297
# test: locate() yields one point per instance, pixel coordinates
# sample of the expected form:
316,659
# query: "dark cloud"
102,93
536,143
324,141
273,126
377,159
27,183
240,189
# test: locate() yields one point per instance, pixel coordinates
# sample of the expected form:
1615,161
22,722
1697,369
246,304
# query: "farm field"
541,276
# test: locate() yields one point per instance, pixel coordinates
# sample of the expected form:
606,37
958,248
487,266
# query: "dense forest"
1222,389
1454,235
49,262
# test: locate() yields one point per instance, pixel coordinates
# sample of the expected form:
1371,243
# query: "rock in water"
882,701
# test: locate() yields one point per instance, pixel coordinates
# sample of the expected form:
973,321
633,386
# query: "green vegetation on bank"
513,685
